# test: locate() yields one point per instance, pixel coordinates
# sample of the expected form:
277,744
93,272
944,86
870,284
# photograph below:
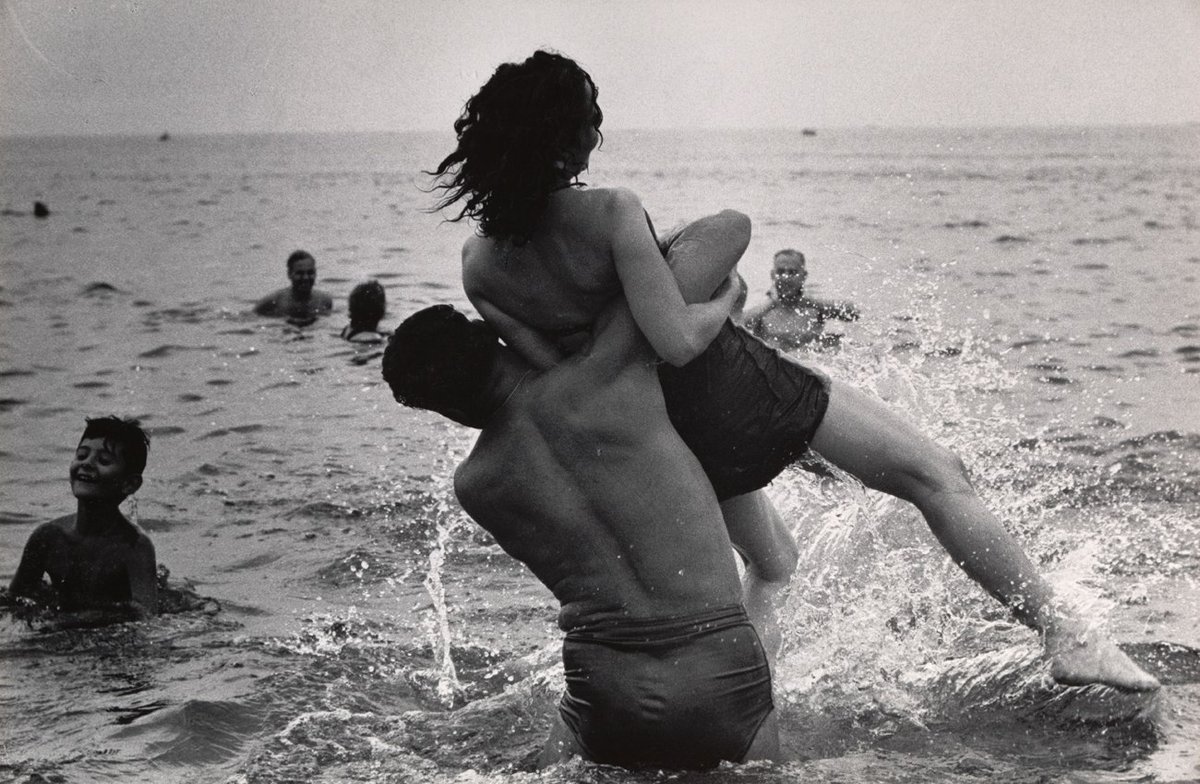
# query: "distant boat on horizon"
166,137
809,132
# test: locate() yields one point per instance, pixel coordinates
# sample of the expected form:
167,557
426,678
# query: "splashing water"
879,625
448,687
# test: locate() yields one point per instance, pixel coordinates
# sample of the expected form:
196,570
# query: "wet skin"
101,566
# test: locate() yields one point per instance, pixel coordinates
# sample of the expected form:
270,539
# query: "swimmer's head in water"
526,133
110,457
789,273
302,272
440,360
367,304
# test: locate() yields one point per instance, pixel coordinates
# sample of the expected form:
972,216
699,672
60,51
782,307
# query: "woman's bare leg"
769,550
863,437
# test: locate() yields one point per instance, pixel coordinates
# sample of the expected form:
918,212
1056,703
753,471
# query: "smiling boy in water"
101,565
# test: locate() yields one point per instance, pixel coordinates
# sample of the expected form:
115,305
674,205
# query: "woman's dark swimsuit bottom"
745,410
683,692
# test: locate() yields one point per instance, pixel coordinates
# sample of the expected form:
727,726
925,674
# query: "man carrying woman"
550,257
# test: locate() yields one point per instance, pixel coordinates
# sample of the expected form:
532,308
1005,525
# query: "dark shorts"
746,410
680,692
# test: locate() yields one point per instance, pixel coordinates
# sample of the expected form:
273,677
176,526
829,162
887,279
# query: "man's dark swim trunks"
745,410
681,692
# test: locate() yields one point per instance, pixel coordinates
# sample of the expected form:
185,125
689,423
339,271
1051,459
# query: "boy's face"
303,276
98,471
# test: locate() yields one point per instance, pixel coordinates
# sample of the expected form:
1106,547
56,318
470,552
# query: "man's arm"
534,347
842,311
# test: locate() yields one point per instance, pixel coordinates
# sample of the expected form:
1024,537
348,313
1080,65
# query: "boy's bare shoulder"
52,533
59,525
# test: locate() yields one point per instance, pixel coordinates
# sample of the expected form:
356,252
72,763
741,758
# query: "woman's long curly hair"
518,138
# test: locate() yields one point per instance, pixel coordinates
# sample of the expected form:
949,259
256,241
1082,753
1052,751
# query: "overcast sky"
144,66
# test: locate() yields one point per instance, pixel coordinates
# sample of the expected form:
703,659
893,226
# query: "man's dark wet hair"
297,255
440,360
514,137
788,252
128,433
368,301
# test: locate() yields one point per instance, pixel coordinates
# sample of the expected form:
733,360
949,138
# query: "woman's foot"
1085,657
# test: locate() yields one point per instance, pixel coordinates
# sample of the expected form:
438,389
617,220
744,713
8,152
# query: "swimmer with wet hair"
300,303
368,303
101,565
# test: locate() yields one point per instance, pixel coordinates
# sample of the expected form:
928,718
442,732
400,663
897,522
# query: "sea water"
1029,299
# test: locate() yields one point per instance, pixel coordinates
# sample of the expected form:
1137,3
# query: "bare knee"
932,471
736,226
727,229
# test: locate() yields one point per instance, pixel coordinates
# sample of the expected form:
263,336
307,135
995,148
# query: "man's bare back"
578,474
581,476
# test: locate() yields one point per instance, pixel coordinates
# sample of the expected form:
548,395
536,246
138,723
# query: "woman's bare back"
588,247
561,278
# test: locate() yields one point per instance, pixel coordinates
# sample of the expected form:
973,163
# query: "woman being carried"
550,254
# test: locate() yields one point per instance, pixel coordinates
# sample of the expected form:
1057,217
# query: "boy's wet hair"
368,301
298,255
438,359
514,138
128,433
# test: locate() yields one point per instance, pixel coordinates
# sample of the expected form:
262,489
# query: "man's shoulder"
470,479
272,302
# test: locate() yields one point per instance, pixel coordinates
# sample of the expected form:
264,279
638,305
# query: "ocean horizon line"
167,134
